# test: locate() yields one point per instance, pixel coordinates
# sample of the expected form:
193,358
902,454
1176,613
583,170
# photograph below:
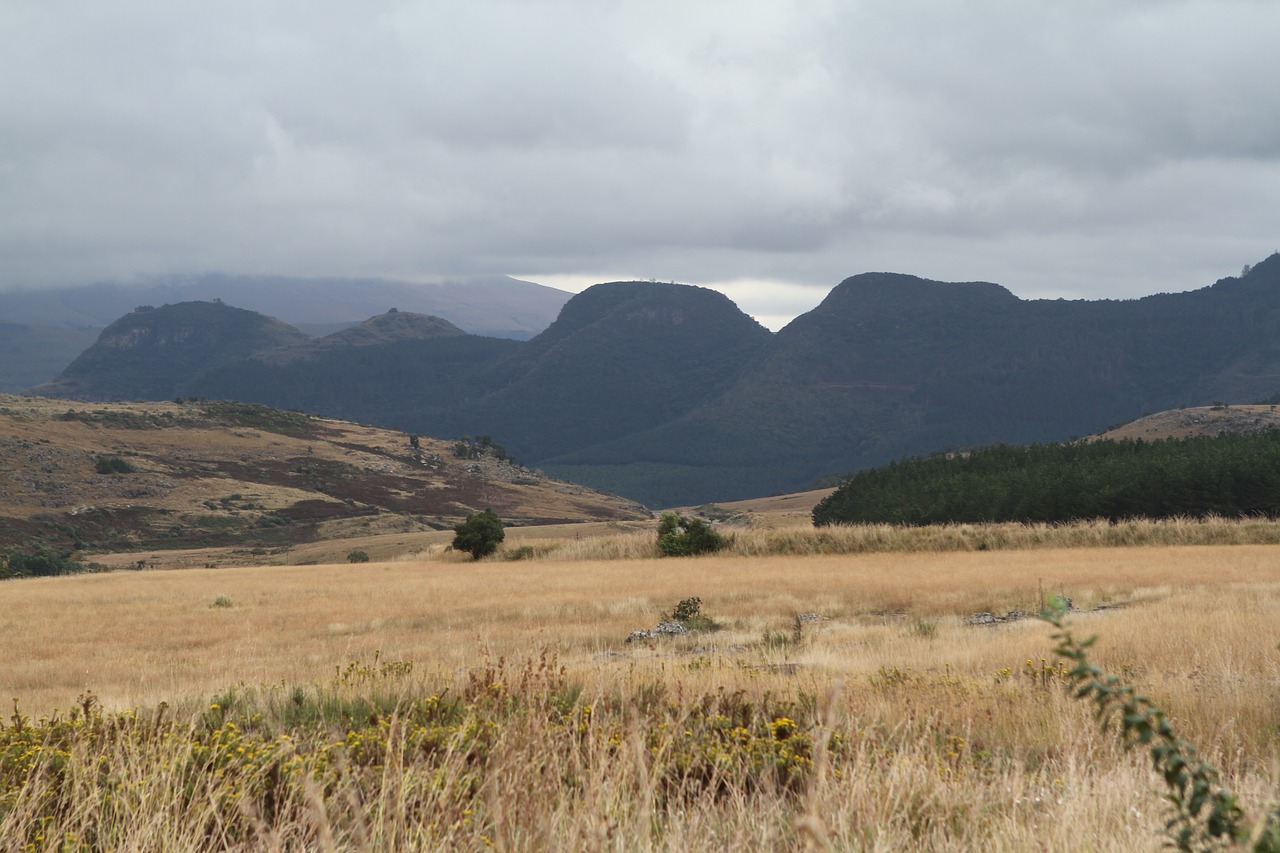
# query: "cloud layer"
770,148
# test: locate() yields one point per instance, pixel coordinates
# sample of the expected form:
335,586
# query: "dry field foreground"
889,724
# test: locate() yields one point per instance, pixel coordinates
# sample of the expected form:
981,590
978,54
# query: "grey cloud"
1061,149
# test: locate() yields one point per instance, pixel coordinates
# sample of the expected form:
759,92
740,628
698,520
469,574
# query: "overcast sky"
769,149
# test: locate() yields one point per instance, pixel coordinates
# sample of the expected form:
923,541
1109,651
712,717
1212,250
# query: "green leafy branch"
1206,815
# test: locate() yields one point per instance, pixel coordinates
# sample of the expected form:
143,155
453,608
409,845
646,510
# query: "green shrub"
112,465
480,535
685,537
689,614
524,552
222,602
358,556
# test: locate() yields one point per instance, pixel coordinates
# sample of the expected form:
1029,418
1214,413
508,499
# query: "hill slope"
1201,420
131,476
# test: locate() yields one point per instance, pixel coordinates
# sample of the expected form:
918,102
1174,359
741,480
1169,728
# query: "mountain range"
42,331
669,394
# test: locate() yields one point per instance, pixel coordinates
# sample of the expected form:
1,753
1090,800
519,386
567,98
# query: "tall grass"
886,724
526,756
803,539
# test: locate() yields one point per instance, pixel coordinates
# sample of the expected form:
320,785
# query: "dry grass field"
442,704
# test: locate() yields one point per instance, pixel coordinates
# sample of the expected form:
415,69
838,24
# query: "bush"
358,557
524,552
689,614
479,535
684,537
112,465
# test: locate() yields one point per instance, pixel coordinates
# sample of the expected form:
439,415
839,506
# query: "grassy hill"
135,476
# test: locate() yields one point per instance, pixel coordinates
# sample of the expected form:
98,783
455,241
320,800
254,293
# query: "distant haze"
768,149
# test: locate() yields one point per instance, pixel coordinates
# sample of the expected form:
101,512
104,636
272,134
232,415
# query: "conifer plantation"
1198,477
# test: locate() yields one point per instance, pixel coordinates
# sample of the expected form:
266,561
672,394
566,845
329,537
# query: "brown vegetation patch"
320,510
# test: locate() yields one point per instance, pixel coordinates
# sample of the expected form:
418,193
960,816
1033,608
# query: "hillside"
1199,420
133,476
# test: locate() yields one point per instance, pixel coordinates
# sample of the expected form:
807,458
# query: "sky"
1062,148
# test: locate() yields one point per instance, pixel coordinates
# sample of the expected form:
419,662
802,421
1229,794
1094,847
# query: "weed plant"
1205,814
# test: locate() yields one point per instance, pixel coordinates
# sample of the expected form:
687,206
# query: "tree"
479,535
40,562
684,537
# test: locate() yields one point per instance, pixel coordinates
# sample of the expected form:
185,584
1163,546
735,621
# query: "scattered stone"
985,618
664,628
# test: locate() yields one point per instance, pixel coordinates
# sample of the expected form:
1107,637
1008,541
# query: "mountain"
143,476
150,353
891,365
671,395
44,330
622,357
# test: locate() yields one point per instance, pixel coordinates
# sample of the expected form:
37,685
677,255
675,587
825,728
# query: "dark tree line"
1230,475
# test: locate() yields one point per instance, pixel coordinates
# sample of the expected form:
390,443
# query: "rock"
663,629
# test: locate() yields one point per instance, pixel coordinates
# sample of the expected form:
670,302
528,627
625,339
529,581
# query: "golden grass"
951,741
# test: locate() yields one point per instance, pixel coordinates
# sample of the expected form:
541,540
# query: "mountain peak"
648,304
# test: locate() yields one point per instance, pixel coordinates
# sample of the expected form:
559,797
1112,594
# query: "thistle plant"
1206,815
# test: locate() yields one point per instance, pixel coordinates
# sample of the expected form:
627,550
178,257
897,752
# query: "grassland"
439,704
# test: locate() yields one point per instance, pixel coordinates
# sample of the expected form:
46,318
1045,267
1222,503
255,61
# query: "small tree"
479,535
684,537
